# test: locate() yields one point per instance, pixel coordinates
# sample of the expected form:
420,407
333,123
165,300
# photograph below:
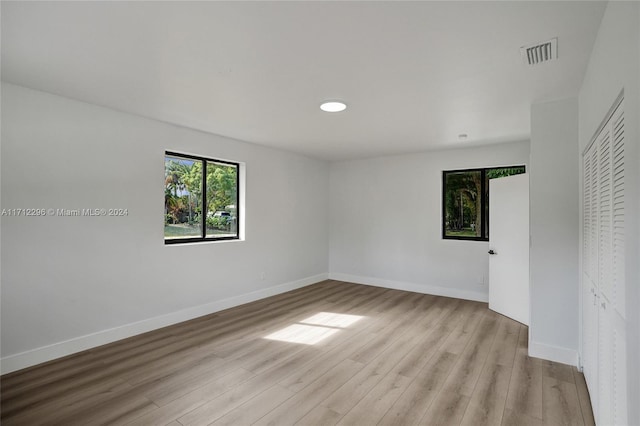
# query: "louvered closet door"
593,232
590,268
618,298
615,302
603,284
605,335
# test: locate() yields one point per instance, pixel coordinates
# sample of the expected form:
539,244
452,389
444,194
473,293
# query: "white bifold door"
603,282
509,246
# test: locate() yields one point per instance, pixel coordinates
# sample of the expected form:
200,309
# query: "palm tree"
173,183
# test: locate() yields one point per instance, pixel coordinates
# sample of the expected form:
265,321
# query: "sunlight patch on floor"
314,329
330,319
305,334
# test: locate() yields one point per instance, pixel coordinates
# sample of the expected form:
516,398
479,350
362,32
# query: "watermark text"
59,212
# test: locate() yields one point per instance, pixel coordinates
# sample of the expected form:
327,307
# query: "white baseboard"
479,296
57,350
553,353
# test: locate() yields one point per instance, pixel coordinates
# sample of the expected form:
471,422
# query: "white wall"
554,226
614,66
386,226
68,277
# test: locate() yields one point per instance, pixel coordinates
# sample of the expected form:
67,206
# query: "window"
200,199
465,201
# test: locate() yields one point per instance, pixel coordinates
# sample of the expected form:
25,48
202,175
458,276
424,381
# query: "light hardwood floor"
348,354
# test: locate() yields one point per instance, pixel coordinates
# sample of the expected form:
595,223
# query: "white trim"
57,350
553,353
414,287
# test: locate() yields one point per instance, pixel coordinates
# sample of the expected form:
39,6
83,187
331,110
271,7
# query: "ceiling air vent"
541,52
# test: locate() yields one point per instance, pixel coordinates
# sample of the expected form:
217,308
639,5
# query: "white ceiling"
414,74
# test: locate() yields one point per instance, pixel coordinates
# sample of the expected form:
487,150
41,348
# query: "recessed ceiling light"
333,106
463,136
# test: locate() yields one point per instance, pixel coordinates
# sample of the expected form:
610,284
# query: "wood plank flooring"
331,353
